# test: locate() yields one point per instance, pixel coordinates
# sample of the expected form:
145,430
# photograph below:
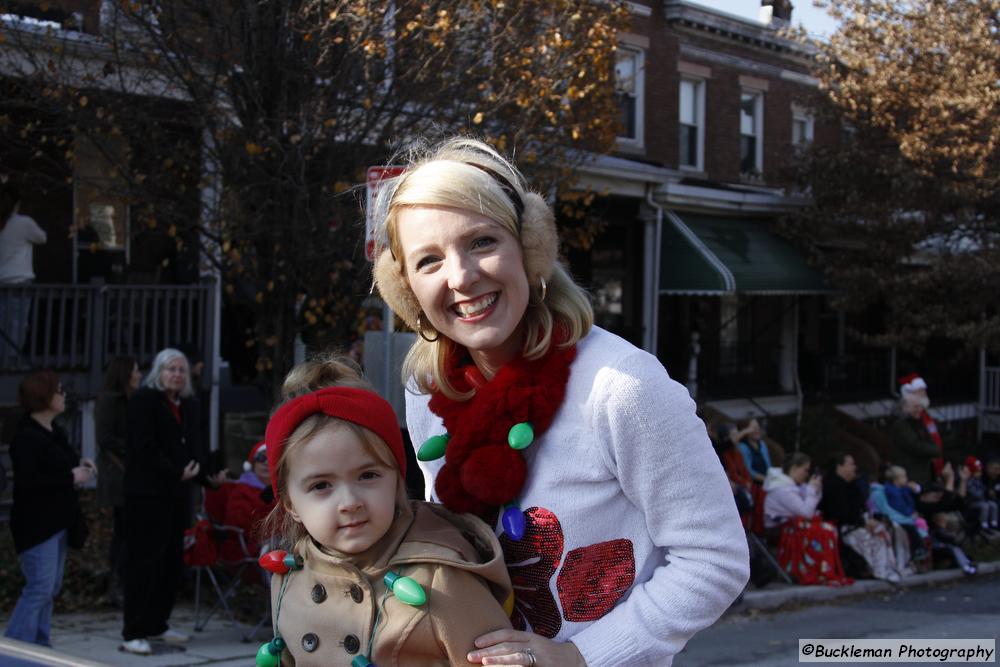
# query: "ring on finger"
531,656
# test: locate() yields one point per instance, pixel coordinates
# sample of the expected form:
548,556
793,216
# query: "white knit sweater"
627,458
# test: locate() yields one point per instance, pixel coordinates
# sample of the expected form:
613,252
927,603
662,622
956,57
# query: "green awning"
715,254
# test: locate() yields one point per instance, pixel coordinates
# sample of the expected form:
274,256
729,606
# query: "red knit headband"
358,406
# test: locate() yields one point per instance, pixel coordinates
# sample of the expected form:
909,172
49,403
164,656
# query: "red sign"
376,177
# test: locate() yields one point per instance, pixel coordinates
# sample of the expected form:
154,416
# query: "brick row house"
107,282
688,266
713,106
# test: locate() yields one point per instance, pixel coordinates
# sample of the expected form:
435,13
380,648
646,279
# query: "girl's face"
345,498
467,273
901,479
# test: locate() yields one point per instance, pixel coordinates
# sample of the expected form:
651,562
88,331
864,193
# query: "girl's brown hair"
327,370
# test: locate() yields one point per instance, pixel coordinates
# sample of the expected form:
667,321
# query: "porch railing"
78,328
991,389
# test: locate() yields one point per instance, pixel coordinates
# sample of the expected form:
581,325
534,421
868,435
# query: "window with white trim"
692,123
802,128
629,91
751,133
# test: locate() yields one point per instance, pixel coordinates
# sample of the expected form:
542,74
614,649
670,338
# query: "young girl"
370,577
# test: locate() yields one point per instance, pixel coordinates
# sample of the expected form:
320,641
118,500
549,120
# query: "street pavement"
96,636
942,603
962,608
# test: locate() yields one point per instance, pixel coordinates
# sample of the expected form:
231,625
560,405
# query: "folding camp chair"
226,569
756,543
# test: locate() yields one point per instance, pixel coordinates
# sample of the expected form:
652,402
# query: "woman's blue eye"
319,486
483,241
425,261
370,474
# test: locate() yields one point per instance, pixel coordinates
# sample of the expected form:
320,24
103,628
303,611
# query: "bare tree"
280,105
907,212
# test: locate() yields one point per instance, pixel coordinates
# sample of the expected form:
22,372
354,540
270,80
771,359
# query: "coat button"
310,642
351,644
318,593
357,594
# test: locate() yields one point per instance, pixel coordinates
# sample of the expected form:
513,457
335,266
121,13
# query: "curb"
766,600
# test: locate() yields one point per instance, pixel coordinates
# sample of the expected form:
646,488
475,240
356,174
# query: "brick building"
713,107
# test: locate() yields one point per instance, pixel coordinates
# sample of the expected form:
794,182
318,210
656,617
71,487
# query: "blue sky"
816,21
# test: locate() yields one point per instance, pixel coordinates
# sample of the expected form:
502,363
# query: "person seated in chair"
933,502
249,501
788,492
809,547
843,503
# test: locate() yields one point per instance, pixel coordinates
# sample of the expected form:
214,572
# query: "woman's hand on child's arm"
511,647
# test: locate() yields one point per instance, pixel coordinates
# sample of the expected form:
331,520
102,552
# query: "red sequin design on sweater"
593,579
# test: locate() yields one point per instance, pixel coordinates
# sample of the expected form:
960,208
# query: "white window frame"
700,85
803,116
638,141
758,121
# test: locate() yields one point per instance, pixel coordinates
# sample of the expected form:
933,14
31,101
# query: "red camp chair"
227,569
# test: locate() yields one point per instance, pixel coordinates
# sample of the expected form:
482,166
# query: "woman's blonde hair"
327,370
469,175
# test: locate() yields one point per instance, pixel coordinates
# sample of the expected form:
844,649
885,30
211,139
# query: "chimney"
775,12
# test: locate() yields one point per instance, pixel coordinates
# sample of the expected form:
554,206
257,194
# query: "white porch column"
787,366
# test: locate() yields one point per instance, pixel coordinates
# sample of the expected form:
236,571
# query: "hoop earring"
420,330
545,289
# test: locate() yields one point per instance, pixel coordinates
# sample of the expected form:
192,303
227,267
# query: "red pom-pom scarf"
481,471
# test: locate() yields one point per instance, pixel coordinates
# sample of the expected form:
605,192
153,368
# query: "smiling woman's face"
467,273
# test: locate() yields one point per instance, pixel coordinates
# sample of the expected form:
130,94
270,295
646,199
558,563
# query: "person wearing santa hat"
250,501
916,443
980,509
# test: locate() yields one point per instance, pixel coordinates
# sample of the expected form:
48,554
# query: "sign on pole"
376,177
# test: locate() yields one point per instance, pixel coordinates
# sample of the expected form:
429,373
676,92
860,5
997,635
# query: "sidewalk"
95,637
777,595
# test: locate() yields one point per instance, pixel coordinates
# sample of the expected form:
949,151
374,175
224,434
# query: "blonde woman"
616,520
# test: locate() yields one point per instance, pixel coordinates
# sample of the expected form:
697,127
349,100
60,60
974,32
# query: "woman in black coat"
45,516
121,381
163,458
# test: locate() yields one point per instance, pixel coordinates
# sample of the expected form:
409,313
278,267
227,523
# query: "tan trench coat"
329,608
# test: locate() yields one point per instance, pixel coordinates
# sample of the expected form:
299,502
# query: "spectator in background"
809,548
916,443
18,236
902,495
46,512
250,500
791,491
163,458
991,479
121,380
196,366
754,450
843,503
981,510
722,437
